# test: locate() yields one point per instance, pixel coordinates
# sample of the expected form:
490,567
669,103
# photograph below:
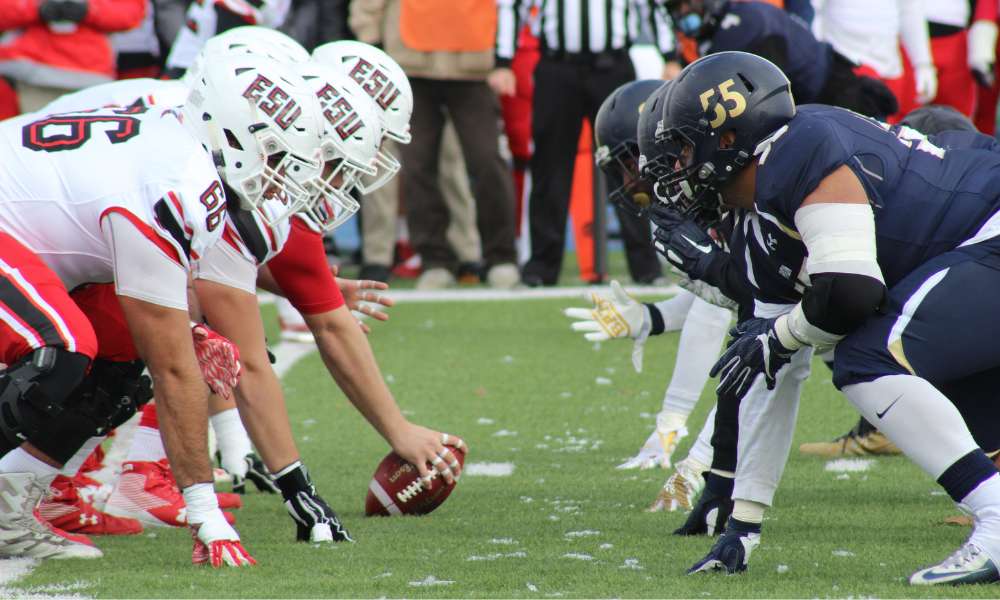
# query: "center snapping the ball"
396,489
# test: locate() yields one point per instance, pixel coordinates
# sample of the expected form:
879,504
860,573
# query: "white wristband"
201,502
794,331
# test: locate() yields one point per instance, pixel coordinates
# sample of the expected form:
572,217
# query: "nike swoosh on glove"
217,543
218,358
685,244
753,353
709,516
731,552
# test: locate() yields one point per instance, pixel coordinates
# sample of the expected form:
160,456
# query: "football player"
817,72
703,325
135,198
890,260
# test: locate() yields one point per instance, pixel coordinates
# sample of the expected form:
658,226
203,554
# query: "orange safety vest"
448,25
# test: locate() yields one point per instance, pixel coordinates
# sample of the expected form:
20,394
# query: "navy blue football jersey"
754,26
927,199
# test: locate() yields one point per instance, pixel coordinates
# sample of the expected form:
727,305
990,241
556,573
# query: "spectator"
445,47
206,18
982,60
53,46
315,22
948,21
870,33
584,57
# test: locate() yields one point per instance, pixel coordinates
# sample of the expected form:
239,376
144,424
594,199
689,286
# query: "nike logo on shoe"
891,404
705,248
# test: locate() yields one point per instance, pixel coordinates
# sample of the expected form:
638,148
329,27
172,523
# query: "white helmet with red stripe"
351,135
263,125
386,83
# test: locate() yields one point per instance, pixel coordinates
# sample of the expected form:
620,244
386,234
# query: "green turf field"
520,387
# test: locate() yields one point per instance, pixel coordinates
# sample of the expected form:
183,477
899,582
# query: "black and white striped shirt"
584,26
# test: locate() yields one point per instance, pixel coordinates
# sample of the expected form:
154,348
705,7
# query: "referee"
584,57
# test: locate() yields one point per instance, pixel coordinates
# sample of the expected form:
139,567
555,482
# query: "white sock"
76,461
703,333
701,450
984,503
914,412
146,445
674,310
287,312
232,440
19,461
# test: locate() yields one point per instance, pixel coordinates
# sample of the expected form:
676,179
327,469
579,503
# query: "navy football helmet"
932,119
727,92
697,19
654,162
617,149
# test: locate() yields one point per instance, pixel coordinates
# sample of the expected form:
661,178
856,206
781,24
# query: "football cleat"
681,488
64,508
731,552
258,474
969,564
23,533
862,440
146,491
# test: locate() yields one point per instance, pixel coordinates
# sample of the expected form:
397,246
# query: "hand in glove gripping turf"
731,552
614,316
754,350
685,244
216,543
314,519
709,516
218,358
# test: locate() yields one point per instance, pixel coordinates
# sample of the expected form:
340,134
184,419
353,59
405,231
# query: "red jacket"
31,52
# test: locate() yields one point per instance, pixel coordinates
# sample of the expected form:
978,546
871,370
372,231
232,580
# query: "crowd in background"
485,192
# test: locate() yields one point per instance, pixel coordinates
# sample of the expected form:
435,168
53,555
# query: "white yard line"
487,294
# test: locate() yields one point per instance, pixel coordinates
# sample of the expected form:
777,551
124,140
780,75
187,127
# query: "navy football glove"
755,352
732,550
685,244
709,515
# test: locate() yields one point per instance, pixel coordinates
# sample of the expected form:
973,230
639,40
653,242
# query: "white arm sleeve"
143,271
227,266
840,238
914,33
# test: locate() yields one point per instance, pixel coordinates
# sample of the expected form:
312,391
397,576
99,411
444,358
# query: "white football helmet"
352,131
263,126
384,80
249,39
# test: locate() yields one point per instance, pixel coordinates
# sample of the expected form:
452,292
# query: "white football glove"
616,316
215,541
682,487
659,448
927,83
982,50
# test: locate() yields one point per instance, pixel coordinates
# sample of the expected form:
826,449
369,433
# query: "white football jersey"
62,175
125,93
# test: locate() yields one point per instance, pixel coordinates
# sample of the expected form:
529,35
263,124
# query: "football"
396,489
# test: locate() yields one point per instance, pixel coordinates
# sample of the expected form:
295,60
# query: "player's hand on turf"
731,552
217,544
362,295
755,351
315,521
430,451
218,358
614,316
709,515
685,244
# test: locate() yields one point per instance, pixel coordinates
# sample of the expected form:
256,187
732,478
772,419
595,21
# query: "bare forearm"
262,408
182,408
347,355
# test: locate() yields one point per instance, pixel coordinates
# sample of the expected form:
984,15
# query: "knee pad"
109,396
36,389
